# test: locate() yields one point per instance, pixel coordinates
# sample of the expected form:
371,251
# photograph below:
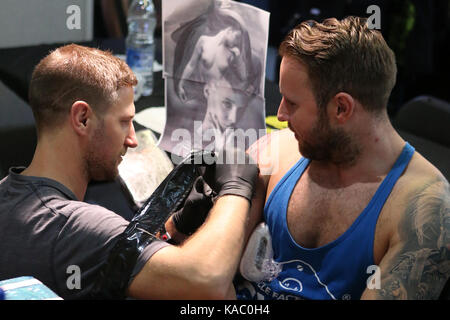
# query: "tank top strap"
397,170
291,177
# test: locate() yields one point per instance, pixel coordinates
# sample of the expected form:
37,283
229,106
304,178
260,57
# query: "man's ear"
343,107
206,91
80,116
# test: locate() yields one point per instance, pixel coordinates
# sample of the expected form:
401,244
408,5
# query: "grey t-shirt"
46,233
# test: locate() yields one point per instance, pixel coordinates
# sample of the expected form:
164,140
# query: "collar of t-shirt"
17,178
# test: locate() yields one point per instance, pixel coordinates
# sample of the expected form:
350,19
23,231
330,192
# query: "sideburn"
340,147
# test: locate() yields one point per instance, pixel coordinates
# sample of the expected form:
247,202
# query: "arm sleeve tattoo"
421,266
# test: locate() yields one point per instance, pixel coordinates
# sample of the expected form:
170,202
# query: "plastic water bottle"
139,43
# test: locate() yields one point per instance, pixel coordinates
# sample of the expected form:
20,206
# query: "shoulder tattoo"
420,269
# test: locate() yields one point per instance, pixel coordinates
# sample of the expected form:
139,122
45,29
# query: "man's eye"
290,103
227,104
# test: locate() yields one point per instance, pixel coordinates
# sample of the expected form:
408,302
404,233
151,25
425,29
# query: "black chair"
427,117
114,17
425,123
17,131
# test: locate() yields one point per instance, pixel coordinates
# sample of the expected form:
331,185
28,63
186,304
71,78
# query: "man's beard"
329,145
99,166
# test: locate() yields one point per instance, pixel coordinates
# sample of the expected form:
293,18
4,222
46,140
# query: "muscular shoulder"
420,167
417,263
91,220
275,151
427,202
420,179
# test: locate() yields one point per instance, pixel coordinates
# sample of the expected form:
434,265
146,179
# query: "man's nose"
131,139
282,113
236,52
232,116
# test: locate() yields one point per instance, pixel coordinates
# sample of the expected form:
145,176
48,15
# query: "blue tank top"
337,270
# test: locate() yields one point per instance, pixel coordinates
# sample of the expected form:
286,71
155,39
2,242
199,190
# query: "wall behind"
25,22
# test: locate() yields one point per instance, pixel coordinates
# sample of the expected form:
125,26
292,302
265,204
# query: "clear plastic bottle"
140,41
257,263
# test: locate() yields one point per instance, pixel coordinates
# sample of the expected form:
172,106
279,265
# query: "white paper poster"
214,56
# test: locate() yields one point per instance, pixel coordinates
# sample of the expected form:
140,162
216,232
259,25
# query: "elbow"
211,284
214,293
218,288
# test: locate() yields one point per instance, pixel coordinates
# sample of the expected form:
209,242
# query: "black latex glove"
195,209
233,174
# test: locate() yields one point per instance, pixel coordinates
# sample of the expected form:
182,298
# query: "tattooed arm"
417,264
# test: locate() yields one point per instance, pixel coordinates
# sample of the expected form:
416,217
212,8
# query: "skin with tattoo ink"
421,266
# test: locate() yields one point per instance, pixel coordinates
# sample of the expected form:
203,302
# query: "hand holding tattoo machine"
197,179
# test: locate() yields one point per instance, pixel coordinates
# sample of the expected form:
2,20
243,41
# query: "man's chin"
295,134
309,152
106,176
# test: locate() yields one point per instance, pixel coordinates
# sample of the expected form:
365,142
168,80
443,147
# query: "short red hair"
72,73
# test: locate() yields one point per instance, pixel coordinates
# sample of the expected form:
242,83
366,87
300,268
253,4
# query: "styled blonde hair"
344,56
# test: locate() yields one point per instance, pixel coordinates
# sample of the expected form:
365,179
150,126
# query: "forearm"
191,64
203,267
187,72
219,242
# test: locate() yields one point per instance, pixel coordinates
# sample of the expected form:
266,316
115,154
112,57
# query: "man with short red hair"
82,100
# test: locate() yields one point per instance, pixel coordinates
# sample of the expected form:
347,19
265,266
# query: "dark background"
422,52
419,106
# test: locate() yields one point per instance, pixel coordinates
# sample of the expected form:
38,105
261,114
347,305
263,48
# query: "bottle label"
139,59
